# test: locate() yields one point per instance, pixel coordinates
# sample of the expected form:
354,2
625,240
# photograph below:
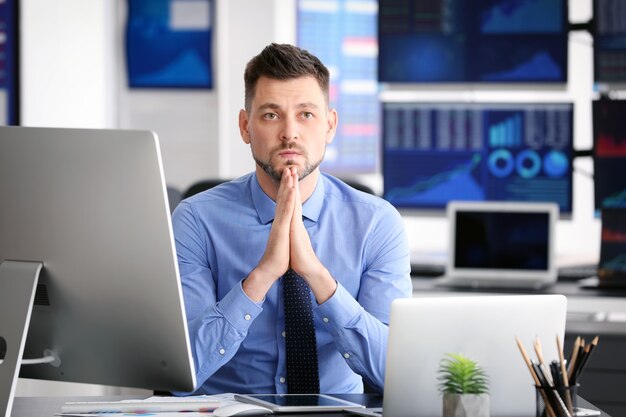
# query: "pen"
552,399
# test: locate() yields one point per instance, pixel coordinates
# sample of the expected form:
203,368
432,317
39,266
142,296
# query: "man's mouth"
289,154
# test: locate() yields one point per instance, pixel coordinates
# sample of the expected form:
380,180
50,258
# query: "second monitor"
434,153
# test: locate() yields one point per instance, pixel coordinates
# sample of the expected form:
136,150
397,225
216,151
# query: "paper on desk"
159,414
198,404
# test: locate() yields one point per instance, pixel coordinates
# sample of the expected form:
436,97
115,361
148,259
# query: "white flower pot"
465,405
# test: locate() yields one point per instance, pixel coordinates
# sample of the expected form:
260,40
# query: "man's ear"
333,119
243,126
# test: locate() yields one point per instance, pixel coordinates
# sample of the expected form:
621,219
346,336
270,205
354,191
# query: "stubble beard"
276,175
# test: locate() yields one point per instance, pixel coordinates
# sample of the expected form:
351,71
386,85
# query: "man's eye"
270,116
307,115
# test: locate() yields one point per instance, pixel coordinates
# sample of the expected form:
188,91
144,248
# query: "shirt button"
346,355
325,320
222,351
247,317
282,379
283,334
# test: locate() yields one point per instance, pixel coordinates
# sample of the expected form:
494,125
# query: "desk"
48,406
590,312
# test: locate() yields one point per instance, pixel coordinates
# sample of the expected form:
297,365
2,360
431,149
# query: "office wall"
67,70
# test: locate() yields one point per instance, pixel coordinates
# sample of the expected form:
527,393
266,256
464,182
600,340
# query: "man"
236,241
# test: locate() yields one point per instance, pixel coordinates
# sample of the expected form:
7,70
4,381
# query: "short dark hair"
283,62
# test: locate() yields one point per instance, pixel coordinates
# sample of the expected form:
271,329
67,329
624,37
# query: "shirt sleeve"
360,325
216,327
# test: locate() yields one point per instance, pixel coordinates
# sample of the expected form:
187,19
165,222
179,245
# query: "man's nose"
289,130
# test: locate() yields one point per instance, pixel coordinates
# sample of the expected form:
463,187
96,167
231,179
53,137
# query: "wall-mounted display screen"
434,153
609,40
609,156
477,41
168,43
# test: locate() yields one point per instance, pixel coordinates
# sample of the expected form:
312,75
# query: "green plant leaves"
461,375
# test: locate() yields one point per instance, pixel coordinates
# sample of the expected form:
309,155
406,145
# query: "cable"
49,357
36,361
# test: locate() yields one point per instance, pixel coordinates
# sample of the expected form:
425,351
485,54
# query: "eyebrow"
275,106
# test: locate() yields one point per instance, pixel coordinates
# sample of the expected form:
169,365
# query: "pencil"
559,348
542,362
587,352
535,377
574,357
527,361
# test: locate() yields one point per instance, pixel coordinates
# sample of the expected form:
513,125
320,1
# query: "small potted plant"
465,387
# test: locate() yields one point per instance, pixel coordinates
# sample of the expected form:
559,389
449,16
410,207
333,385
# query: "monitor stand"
18,282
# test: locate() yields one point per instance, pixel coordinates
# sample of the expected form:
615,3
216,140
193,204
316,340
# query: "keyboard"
577,272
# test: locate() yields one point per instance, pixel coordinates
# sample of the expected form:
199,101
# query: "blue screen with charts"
492,41
434,153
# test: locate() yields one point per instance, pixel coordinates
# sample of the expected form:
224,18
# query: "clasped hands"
289,247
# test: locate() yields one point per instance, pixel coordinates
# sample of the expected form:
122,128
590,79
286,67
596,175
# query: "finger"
299,239
297,211
276,257
285,198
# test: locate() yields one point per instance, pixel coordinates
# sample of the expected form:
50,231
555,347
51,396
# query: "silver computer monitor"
90,207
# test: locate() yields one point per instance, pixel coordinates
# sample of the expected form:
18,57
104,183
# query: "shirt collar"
266,207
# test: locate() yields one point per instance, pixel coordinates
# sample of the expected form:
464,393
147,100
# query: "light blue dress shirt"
237,344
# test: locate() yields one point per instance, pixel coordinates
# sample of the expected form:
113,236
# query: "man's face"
288,124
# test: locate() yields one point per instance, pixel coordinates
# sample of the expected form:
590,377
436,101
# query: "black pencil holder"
558,400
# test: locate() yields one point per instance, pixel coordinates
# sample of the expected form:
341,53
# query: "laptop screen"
501,244
502,240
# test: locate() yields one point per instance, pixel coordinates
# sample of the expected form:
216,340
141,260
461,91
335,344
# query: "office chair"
202,186
359,186
174,196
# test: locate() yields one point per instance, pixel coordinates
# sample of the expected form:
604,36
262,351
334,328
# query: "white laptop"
423,330
501,244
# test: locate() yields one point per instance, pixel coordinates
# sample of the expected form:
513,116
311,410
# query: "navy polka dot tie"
302,370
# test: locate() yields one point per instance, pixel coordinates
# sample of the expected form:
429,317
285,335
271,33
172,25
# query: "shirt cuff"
339,310
238,308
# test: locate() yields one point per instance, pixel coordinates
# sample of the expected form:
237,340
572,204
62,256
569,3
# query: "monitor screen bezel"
547,275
